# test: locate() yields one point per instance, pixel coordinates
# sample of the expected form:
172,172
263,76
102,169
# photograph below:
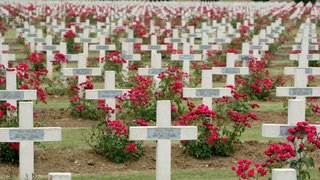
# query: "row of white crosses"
25,134
296,113
128,51
304,57
156,62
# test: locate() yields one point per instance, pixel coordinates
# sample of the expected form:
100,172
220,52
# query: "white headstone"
206,92
26,135
163,133
108,93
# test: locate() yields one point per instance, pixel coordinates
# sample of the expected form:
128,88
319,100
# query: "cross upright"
4,57
205,46
256,47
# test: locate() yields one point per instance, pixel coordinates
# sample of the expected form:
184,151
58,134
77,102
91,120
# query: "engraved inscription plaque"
176,40
245,57
109,93
39,40
68,56
207,92
25,30
31,35
63,30
154,47
255,47
309,56
219,40
102,47
82,72
186,57
300,91
308,70
49,48
154,71
26,134
205,47
128,57
130,40
164,133
284,130
192,35
263,40
231,70
85,40
4,95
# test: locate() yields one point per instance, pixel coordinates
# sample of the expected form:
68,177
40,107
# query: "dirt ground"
84,161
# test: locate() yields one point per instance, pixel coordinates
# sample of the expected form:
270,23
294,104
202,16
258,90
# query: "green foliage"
9,152
110,139
305,1
219,130
259,84
56,88
140,101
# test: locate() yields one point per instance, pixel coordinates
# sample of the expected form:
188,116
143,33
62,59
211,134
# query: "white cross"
26,135
245,55
191,35
108,93
206,92
304,57
186,57
205,46
82,71
164,133
230,70
175,40
128,53
102,48
154,47
86,40
295,114
300,89
256,47
49,48
11,94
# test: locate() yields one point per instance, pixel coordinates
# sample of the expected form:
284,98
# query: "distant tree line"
297,1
